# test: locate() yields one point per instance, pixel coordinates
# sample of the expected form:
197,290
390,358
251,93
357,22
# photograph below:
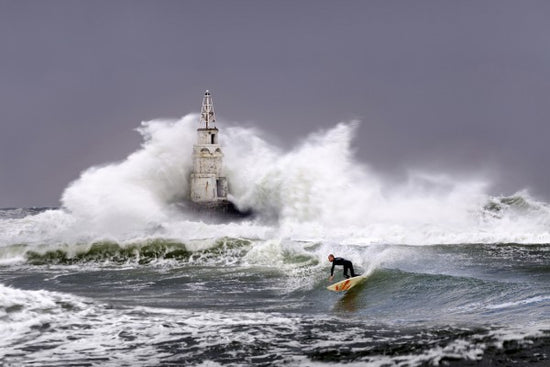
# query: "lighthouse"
208,184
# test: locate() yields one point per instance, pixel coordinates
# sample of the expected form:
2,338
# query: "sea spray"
317,191
134,193
318,181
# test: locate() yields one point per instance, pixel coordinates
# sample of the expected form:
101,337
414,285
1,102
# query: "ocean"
123,274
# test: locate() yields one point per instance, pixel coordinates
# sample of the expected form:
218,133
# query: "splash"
136,192
317,191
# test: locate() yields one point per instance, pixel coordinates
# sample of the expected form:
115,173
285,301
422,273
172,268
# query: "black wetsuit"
347,265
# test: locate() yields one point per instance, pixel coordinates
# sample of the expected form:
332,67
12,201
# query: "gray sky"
453,86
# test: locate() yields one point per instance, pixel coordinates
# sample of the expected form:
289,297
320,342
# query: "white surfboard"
346,284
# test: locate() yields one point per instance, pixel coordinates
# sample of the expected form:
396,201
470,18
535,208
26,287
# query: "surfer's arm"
331,273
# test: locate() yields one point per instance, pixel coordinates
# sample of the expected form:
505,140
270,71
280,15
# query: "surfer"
341,261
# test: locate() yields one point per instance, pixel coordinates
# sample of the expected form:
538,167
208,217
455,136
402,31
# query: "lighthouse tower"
208,185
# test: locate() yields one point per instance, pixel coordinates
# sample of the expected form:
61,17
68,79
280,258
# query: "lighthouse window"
213,139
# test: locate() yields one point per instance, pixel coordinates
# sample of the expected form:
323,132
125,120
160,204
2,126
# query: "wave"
44,327
317,191
112,253
165,253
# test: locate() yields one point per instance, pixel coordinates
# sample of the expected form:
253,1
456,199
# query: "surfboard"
346,284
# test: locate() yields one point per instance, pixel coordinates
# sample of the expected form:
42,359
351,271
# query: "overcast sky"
451,86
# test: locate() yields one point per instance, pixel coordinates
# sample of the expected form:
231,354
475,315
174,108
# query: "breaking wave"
111,253
317,191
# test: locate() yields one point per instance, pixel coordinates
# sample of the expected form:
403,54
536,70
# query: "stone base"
218,211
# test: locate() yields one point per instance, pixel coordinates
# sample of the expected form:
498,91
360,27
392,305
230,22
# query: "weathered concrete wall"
203,187
222,187
207,181
207,136
207,159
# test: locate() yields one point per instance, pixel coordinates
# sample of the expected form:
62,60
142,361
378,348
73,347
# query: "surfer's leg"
351,270
346,266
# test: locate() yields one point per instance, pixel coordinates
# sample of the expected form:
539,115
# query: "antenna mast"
207,109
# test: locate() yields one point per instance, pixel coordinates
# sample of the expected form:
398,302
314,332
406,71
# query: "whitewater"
318,190
123,273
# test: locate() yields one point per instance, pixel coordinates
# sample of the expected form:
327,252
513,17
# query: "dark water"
158,303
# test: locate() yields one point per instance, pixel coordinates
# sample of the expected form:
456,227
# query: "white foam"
522,302
317,191
80,329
